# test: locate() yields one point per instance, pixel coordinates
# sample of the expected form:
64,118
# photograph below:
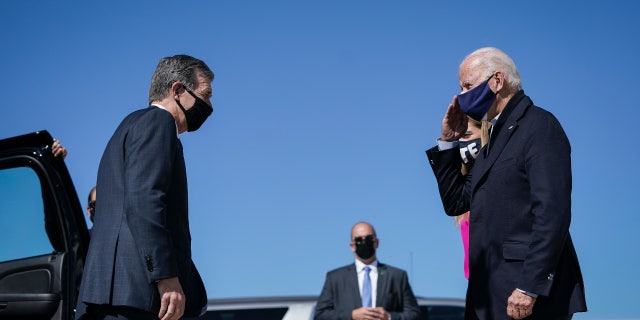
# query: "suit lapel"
352,282
383,281
499,140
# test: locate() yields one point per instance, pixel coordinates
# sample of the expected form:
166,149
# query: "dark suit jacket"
341,294
519,194
141,232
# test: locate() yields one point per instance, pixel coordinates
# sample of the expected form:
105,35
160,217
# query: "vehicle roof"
275,301
34,139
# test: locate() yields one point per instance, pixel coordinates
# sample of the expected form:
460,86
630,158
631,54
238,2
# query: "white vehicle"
303,307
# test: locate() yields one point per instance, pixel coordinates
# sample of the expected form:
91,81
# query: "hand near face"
454,124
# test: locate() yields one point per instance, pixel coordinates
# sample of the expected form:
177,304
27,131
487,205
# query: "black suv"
43,231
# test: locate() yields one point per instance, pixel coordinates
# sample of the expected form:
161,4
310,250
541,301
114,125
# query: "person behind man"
366,289
91,206
521,258
139,261
57,150
470,143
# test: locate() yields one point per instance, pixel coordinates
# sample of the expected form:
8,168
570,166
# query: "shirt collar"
360,265
494,120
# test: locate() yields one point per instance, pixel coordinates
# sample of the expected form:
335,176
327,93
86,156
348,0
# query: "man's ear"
175,89
499,80
352,246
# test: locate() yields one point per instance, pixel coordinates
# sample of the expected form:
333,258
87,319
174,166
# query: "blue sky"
323,111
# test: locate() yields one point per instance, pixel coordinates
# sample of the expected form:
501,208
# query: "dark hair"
179,68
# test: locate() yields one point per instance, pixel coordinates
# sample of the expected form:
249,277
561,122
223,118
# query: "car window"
22,215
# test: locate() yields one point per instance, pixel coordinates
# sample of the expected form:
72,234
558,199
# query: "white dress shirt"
373,275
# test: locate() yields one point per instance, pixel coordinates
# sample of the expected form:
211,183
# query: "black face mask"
197,115
365,247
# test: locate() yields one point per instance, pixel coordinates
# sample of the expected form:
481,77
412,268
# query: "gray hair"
179,68
493,59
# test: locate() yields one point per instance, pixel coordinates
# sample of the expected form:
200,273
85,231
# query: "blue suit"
341,294
519,194
141,231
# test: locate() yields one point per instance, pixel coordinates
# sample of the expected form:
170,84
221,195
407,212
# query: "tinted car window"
22,215
246,314
442,312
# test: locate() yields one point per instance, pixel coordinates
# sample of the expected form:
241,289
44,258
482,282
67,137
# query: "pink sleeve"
464,231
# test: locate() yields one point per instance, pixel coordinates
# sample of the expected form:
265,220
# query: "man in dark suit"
521,258
366,289
139,261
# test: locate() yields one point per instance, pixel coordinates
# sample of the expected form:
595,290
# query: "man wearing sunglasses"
366,289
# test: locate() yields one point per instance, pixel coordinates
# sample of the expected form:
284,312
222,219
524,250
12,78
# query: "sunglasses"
92,204
365,238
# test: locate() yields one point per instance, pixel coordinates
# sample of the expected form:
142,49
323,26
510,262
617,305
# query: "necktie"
366,288
490,125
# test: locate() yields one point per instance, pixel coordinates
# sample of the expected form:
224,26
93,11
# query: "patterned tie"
366,288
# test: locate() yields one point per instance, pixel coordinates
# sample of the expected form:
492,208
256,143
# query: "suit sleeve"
410,309
326,306
149,155
548,170
452,184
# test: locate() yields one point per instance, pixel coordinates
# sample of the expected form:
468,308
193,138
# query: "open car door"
43,231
